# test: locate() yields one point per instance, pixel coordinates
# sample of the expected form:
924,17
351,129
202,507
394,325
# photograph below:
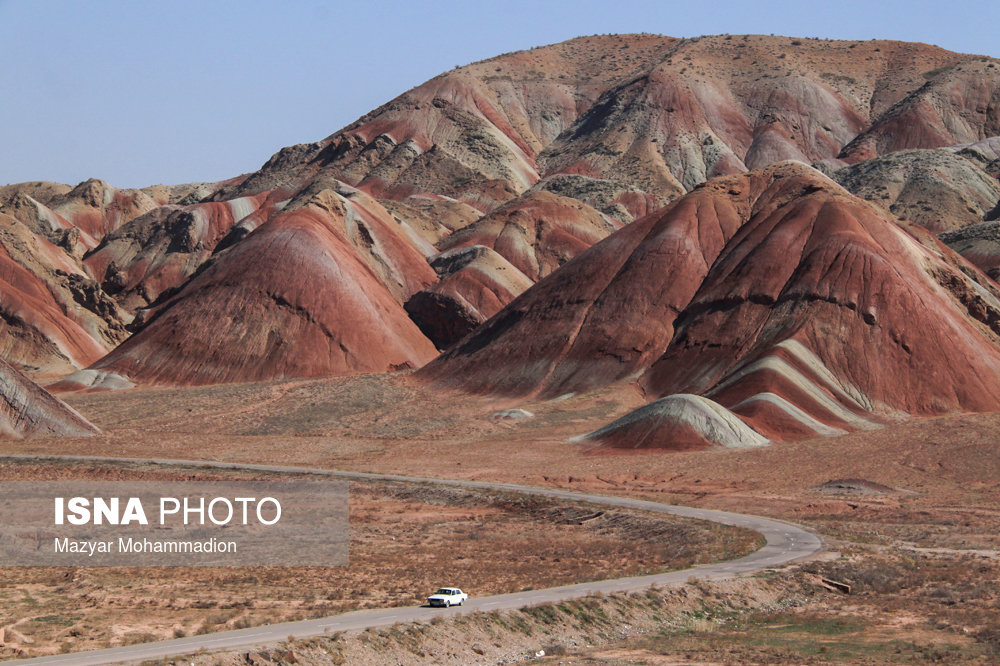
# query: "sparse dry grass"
406,540
936,496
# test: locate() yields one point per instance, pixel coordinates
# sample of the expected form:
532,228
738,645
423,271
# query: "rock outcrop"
679,423
938,189
475,284
26,409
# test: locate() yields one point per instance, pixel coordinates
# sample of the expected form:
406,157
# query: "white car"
447,596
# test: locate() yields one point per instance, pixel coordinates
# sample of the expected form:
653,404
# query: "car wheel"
447,603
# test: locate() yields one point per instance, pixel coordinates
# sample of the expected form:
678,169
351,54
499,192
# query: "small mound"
680,422
511,414
87,380
854,487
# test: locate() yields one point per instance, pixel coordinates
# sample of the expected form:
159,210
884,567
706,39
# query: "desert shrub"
136,637
990,637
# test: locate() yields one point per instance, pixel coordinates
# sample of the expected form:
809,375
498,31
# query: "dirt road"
785,543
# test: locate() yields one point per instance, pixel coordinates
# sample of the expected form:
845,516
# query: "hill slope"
776,294
27,409
537,154
296,298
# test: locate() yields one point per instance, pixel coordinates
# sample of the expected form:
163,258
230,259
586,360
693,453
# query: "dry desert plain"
910,512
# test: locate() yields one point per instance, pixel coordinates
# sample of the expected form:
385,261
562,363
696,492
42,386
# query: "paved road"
785,543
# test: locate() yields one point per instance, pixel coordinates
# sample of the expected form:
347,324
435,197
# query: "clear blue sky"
175,91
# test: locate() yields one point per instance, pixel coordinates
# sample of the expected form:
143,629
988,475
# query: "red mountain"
776,294
295,298
536,154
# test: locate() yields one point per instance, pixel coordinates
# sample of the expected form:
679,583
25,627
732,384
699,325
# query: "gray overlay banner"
229,523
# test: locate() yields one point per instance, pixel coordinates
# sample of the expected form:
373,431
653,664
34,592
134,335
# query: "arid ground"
406,540
911,512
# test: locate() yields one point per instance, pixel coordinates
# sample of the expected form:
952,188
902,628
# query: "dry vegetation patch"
556,632
787,618
406,540
915,508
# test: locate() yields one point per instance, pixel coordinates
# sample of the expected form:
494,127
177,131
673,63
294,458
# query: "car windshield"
443,590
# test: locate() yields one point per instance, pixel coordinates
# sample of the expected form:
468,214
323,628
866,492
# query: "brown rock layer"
776,294
537,232
475,284
27,409
293,299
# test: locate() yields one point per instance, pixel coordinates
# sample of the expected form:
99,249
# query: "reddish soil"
405,542
912,508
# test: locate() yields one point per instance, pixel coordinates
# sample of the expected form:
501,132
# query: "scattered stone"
511,414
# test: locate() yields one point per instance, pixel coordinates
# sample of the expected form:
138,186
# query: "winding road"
785,542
